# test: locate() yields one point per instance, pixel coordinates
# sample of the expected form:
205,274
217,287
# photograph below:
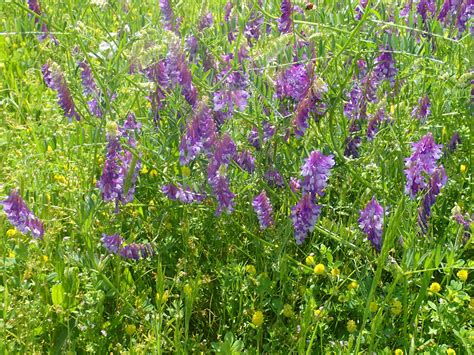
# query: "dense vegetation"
241,176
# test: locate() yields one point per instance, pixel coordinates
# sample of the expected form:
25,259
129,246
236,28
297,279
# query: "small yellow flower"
463,275
11,254
450,351
45,258
50,149
462,168
309,260
335,272
60,178
250,269
153,173
435,287
130,329
257,319
144,170
398,352
396,307
351,326
187,290
162,298
186,171
318,313
353,285
288,310
373,306
319,269
11,232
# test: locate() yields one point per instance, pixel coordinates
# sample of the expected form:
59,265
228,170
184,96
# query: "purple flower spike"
437,181
371,222
295,185
21,217
112,243
246,161
137,251
167,15
453,143
206,21
274,178
373,126
253,138
423,110
174,192
263,209
293,83
200,135
220,187
422,161
315,172
87,80
56,81
385,67
304,216
285,23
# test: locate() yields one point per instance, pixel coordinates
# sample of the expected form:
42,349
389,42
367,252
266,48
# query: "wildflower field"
227,176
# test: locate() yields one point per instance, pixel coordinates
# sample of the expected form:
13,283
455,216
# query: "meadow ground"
241,176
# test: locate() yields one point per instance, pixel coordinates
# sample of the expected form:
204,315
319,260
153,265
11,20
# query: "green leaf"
57,294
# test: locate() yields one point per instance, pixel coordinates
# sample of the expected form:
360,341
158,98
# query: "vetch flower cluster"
21,216
115,244
263,209
54,79
371,222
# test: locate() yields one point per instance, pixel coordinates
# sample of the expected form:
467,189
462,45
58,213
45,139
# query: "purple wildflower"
246,161
293,82
119,165
220,187
232,95
274,178
206,21
21,216
136,251
56,81
371,222
228,8
437,181
268,131
425,6
315,172
453,143
353,140
310,104
200,135
167,15
356,103
263,209
385,67
285,22
422,111
372,127
112,243
88,82
186,195
304,216
253,138
360,8
422,161
295,184
252,28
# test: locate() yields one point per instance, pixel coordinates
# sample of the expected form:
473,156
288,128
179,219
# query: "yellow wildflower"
463,275
319,269
250,269
396,307
309,260
11,232
257,319
435,287
351,326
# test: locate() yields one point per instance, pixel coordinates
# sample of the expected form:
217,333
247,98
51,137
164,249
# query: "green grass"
211,274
